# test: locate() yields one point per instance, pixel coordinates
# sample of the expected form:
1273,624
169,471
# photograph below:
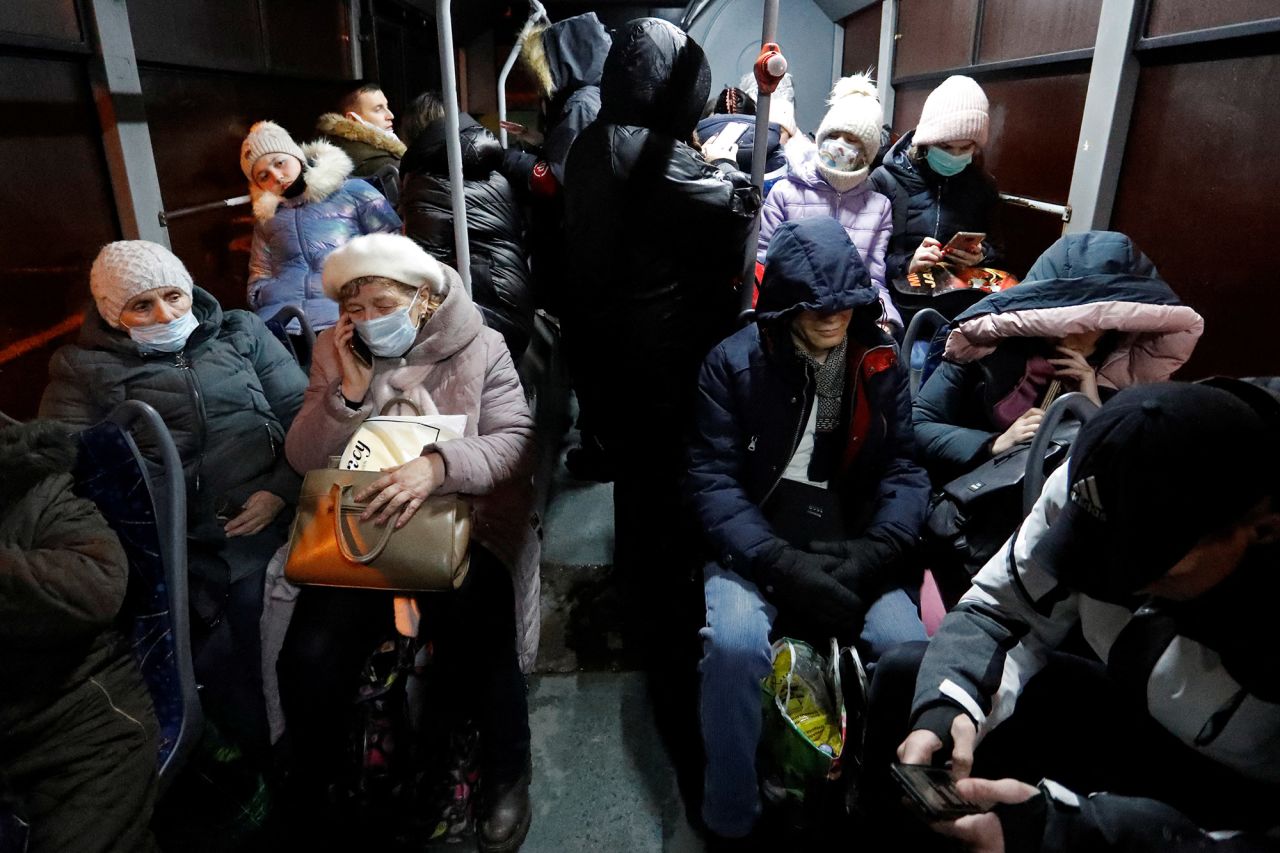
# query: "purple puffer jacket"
866,215
456,366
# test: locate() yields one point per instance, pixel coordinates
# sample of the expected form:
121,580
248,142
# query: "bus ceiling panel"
729,31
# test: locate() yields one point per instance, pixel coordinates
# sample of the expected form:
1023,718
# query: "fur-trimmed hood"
567,55
1085,282
332,124
29,453
326,169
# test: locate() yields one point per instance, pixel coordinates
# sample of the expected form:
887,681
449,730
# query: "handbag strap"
342,530
400,401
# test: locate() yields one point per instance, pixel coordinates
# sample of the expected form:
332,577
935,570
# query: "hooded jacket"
775,164
369,148
657,234
925,204
755,395
1083,282
499,274
866,215
456,366
228,398
293,236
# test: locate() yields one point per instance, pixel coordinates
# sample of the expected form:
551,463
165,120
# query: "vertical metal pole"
125,135
537,13
453,141
1104,127
768,33
353,32
888,50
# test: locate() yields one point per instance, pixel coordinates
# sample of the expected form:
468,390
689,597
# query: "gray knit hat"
127,268
267,137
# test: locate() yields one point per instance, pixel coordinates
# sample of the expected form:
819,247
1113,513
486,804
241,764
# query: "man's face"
1215,557
820,332
372,107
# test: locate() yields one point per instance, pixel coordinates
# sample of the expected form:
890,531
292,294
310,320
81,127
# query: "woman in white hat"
935,181
305,205
408,329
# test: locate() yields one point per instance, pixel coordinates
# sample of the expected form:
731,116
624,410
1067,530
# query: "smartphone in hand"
932,793
969,242
360,350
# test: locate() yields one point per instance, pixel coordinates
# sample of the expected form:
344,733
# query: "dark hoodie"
755,395
657,234
1098,279
925,204
499,273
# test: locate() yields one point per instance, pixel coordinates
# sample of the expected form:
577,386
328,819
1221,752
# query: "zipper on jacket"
202,427
937,214
271,440
795,441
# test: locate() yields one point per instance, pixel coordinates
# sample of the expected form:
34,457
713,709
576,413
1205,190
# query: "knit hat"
392,256
855,109
267,137
126,268
1155,470
956,110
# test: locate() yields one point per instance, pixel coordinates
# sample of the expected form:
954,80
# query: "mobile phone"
225,509
732,133
360,350
966,241
932,793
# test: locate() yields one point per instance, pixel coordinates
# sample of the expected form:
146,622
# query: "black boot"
506,814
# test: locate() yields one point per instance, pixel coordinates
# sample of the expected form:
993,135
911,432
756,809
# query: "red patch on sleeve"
878,361
542,182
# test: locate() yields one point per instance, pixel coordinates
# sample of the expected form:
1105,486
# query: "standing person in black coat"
936,185
499,272
657,236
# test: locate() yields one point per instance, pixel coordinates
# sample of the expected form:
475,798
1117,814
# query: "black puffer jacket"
925,204
499,273
658,234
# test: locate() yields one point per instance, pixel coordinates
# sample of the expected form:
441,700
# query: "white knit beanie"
392,256
127,268
955,110
855,109
267,137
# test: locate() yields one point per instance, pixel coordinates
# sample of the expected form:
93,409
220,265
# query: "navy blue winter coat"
755,394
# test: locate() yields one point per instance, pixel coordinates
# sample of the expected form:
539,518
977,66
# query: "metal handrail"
936,320
1061,210
537,14
171,517
1076,404
453,140
166,216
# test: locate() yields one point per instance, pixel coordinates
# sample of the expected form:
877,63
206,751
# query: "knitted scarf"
829,378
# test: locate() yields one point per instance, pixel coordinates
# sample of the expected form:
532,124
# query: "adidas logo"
1085,494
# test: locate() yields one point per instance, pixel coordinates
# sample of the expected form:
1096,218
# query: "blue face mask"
390,335
165,337
945,163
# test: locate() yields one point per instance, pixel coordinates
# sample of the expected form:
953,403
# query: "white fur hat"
392,256
855,108
267,137
956,110
127,268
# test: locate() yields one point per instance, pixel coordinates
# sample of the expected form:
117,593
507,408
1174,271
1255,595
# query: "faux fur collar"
28,454
328,167
333,124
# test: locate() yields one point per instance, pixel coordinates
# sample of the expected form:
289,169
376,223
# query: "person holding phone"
228,391
1157,543
409,330
936,185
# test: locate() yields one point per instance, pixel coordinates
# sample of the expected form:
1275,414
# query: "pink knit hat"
956,110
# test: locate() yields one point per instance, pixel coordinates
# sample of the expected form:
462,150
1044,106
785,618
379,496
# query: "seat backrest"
1075,404
923,344
144,502
292,328
387,181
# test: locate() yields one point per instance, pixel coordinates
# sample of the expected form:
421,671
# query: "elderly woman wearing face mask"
935,185
409,330
228,391
831,180
305,205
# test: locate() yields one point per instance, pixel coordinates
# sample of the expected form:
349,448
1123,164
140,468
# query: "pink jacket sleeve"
324,424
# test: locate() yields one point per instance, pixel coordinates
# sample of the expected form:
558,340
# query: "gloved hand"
865,562
801,583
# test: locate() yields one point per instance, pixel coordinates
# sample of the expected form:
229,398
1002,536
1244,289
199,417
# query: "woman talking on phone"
228,391
935,181
409,330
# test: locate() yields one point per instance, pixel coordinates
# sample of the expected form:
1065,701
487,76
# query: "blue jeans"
736,656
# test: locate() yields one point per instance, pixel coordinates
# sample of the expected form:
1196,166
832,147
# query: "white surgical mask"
391,334
165,337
